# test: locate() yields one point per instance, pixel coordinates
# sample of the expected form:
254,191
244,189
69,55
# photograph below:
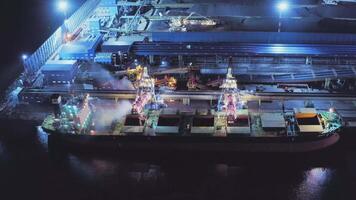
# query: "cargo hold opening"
203,121
308,121
168,121
133,120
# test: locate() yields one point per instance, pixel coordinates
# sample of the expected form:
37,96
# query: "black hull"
194,143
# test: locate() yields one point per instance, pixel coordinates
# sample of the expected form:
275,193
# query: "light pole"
282,7
24,57
23,60
63,7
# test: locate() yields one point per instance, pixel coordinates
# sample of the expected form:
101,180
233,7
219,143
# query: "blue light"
63,6
277,49
24,57
282,6
164,63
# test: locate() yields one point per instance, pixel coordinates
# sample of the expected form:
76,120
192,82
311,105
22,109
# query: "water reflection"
95,169
145,173
91,169
188,176
191,178
314,183
42,138
225,170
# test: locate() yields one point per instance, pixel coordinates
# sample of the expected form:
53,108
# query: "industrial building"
83,49
59,71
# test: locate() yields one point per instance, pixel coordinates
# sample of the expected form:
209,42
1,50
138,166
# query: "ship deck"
264,119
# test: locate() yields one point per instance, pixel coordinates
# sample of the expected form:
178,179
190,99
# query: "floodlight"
24,57
282,6
63,5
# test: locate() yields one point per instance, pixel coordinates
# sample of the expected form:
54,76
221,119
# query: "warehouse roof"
84,45
59,65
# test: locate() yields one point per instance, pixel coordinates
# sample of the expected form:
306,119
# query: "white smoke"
105,115
122,84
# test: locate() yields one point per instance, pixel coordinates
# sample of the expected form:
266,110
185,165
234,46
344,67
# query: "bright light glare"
282,6
24,57
63,5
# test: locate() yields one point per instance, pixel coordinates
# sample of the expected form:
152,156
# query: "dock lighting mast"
63,7
24,57
281,7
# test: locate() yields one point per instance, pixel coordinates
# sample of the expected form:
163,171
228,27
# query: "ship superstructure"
75,116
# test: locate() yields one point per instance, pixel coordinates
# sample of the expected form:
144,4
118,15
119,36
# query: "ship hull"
194,143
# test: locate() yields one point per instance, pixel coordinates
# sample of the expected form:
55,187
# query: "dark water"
31,169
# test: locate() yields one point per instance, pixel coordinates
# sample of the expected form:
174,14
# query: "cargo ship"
149,122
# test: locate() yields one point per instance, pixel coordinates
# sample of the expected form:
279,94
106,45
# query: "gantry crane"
229,98
145,93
